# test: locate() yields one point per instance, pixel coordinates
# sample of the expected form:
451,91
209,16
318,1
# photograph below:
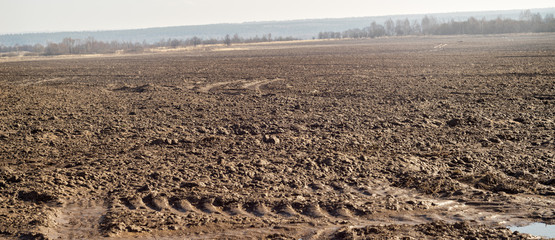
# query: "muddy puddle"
536,229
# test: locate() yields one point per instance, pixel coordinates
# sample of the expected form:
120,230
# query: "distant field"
303,29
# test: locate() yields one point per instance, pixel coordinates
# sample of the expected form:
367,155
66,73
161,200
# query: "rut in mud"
424,137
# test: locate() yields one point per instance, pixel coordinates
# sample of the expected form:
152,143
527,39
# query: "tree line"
428,25
527,22
93,46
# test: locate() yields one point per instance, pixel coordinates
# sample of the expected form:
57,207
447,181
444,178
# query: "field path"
250,85
257,84
29,82
208,87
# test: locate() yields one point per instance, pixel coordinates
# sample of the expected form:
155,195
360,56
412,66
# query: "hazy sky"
75,15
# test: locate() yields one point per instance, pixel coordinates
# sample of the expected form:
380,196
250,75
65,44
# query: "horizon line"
265,21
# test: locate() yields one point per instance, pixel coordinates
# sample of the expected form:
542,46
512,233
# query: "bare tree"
389,27
428,24
196,41
227,40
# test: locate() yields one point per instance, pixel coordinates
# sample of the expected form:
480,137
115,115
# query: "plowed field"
422,137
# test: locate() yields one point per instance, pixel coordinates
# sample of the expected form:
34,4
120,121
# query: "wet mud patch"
76,220
432,230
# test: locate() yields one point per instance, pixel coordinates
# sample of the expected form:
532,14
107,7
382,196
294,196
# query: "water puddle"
537,229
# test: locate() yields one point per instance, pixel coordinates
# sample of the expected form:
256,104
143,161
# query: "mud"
416,137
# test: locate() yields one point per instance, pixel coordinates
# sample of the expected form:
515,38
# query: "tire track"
30,82
209,87
241,84
257,84
361,206
328,211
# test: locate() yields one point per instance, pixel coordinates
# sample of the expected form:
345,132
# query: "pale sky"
22,16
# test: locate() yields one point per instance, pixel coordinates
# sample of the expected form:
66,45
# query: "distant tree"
548,17
389,27
211,41
38,48
236,38
52,49
402,27
549,23
66,46
525,15
472,26
174,43
416,28
227,40
196,41
331,35
428,25
376,30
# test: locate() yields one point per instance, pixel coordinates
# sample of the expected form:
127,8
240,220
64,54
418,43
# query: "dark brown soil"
417,137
